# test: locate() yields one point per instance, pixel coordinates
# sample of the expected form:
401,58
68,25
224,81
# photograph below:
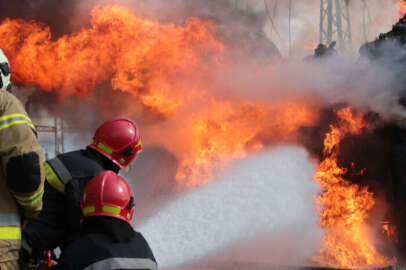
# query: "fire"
389,230
229,131
165,67
402,8
309,45
344,207
138,56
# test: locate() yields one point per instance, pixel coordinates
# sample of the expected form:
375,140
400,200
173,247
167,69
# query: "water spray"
264,194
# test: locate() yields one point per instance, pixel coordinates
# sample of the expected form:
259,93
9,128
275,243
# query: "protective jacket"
21,176
107,243
66,177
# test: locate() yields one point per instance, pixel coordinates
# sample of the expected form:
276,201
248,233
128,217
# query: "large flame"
229,131
139,56
165,67
344,207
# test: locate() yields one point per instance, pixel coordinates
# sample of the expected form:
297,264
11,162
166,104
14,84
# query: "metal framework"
59,134
270,11
335,23
366,20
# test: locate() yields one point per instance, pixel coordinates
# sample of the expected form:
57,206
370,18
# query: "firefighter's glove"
28,259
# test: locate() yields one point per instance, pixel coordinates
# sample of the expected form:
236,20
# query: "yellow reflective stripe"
111,209
139,143
14,119
13,115
53,179
30,200
32,126
88,210
10,233
33,196
105,148
4,126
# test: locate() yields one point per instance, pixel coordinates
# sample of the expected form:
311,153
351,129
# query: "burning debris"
388,47
322,51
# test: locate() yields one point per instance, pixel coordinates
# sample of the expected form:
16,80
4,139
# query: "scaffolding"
335,24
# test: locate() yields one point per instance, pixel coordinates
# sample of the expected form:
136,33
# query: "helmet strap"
131,203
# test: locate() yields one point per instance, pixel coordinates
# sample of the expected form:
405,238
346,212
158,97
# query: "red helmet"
119,140
109,195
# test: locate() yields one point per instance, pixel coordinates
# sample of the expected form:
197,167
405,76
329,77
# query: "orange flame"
344,207
310,45
402,8
229,131
389,230
140,56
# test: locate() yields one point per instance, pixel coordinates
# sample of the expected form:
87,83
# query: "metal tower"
335,23
366,20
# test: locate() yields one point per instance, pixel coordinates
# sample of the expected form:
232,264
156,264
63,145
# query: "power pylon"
366,19
335,23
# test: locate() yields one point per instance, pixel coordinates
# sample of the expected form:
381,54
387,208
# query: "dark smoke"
56,14
240,28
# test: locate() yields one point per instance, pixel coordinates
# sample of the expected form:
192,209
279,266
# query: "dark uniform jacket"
66,177
107,243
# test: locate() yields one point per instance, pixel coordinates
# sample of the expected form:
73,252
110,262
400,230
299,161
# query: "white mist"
270,194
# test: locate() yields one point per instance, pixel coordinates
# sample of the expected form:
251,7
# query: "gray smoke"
364,85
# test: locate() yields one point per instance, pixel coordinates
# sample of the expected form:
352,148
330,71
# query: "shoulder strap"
57,174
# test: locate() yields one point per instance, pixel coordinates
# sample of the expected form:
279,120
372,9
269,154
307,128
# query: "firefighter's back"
99,251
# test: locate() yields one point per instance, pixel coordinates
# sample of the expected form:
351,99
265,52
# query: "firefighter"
115,145
108,241
21,176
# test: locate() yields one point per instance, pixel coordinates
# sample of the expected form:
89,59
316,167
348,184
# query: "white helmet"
5,72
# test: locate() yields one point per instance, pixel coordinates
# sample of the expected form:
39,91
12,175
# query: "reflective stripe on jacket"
10,226
57,174
123,263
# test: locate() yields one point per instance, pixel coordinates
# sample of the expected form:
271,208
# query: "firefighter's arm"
21,155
